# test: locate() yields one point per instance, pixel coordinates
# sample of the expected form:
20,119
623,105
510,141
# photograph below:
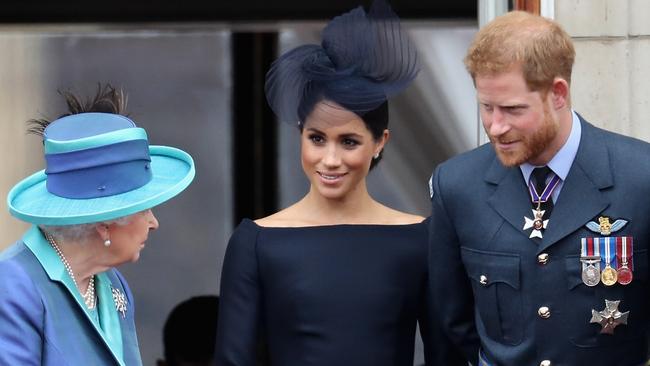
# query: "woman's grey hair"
80,233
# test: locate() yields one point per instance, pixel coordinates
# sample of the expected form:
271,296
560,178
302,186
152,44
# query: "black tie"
539,176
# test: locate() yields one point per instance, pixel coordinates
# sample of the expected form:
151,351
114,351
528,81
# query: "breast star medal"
120,301
610,317
538,223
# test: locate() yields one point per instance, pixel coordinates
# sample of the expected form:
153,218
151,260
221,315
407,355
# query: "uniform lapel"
510,198
581,198
579,201
129,335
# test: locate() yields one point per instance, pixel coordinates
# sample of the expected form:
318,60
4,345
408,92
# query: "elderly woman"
62,302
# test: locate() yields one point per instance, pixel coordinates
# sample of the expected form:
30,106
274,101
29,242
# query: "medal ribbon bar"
608,250
624,250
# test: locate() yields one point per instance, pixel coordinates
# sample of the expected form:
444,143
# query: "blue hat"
99,167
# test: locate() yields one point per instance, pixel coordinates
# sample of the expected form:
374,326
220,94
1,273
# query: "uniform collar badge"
604,227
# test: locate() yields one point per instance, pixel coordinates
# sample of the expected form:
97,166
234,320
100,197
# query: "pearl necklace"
89,296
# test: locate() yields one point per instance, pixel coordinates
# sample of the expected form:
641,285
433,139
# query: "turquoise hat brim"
172,171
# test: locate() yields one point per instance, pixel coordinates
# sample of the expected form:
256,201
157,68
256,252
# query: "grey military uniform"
522,301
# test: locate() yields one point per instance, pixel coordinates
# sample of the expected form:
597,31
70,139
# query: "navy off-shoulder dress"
327,296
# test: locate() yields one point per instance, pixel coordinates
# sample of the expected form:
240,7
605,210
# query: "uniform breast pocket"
495,282
583,299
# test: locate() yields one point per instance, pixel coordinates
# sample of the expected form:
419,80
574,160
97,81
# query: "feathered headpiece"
107,100
363,60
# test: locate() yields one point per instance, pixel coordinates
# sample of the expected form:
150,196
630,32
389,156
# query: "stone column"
21,98
611,77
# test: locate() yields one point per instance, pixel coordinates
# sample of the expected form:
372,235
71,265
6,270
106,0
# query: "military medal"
538,223
590,258
608,276
610,317
624,250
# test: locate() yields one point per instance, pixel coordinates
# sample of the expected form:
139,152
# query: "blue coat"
523,301
42,323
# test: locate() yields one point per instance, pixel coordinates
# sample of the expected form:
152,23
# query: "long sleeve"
239,303
451,292
438,349
21,317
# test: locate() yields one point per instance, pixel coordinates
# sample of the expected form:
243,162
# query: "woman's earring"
376,156
107,242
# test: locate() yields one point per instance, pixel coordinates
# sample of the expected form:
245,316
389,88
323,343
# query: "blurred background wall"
611,77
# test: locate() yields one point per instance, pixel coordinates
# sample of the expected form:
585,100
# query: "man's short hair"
538,45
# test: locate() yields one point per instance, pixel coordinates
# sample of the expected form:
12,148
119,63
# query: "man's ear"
560,93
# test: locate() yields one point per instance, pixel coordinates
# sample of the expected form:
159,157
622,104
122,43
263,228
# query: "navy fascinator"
364,59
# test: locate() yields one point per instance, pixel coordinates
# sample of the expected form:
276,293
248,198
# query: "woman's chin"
136,257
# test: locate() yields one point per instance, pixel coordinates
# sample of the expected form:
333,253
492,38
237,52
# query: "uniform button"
544,312
545,363
542,258
483,280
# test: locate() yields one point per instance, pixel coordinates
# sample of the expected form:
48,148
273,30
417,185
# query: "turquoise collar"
108,324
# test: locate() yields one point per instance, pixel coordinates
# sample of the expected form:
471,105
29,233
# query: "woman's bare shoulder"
396,217
288,217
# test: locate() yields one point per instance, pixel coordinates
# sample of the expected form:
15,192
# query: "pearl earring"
376,156
107,242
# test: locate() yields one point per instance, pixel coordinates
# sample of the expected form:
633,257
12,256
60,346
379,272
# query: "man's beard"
531,146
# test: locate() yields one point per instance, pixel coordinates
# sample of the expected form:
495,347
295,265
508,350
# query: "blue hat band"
98,172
